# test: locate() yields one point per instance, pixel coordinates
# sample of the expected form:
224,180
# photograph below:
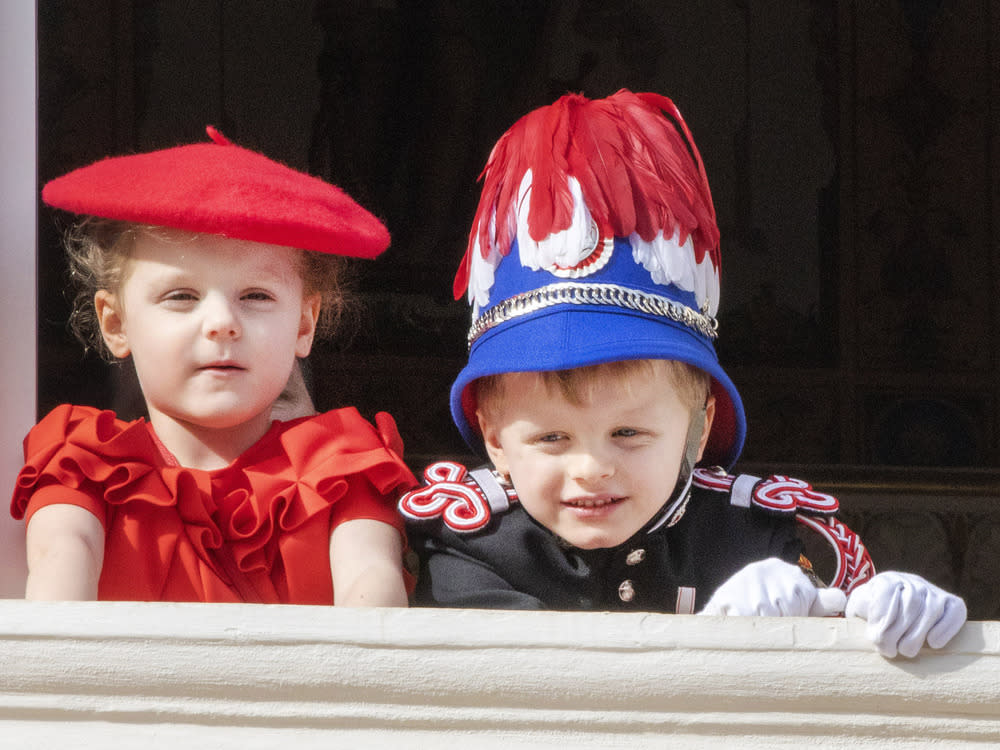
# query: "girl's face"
213,326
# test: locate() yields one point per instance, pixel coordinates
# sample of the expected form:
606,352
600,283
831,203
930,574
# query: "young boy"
594,388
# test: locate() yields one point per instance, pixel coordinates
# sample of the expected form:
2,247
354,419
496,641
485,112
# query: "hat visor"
566,337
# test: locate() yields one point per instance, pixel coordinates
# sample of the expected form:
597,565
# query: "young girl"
212,268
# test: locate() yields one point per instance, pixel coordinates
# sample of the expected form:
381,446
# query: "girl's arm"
65,546
366,559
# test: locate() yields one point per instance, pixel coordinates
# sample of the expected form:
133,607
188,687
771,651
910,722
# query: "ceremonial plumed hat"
595,240
221,188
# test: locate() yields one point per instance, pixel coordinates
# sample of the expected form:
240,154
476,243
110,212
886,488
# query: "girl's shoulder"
82,448
87,428
340,437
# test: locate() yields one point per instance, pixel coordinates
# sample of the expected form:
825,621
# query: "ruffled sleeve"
84,456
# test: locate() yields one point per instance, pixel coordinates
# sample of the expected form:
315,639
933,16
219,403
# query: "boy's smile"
593,472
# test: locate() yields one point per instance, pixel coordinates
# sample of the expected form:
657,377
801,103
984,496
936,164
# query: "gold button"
635,557
626,592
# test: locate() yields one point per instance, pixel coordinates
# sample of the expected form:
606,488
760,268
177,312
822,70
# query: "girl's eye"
626,432
179,295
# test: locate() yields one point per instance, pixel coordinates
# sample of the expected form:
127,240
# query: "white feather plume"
564,249
667,260
670,262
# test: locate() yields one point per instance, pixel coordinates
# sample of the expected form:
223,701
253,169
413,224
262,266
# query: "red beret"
220,188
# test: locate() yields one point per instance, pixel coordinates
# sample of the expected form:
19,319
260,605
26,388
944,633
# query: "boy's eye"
551,437
257,295
625,432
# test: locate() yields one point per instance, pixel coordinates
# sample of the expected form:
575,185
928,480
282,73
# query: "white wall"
17,268
255,677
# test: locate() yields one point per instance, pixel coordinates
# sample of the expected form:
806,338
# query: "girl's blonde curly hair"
98,251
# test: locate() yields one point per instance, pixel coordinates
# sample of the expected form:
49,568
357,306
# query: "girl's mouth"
221,366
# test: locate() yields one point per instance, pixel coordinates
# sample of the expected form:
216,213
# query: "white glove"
903,609
773,588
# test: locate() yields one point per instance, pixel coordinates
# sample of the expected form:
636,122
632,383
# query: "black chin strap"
691,447
678,497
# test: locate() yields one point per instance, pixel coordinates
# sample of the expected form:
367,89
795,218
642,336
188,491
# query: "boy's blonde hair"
575,385
98,251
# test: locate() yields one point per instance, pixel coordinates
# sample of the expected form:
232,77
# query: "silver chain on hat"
611,295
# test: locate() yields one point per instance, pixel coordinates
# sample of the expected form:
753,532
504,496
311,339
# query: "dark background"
851,146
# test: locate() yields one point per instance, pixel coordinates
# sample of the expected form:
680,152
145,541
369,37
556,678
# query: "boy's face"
213,326
593,473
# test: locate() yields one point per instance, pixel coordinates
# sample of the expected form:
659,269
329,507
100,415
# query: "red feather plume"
634,157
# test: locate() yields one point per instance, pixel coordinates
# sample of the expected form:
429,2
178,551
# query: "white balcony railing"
97,675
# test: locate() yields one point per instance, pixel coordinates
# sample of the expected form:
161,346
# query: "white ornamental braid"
854,564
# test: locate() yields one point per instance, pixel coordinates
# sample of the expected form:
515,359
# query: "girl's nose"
221,320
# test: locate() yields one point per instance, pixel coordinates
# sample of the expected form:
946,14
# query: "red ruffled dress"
257,530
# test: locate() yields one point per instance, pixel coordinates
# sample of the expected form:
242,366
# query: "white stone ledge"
96,675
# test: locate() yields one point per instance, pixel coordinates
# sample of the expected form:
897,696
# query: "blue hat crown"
595,241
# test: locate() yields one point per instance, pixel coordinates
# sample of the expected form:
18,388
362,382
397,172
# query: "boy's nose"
591,466
221,320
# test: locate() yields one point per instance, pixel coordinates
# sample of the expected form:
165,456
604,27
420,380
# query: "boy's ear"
706,429
494,449
112,323
307,324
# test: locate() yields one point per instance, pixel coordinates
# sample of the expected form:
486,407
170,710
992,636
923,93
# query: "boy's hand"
903,610
774,588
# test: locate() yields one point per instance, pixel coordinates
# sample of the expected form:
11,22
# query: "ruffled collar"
294,472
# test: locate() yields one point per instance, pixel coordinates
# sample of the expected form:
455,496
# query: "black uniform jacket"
680,558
